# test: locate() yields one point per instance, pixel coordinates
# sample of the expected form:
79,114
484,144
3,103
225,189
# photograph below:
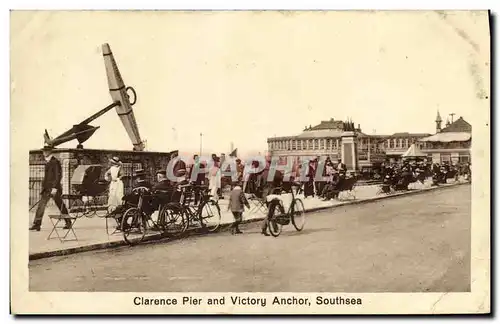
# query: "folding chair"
58,219
115,217
258,205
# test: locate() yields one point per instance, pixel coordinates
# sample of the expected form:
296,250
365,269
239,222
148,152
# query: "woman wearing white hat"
113,175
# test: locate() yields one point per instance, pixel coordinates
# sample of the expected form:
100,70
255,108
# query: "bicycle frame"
194,213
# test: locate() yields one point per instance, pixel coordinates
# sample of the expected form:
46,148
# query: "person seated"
163,189
331,189
180,184
141,180
386,184
163,183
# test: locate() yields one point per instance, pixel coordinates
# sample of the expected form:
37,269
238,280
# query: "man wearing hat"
51,188
140,179
163,183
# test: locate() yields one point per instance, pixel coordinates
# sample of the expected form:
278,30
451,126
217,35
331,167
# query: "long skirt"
115,194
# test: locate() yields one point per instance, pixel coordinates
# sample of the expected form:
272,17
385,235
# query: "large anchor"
123,100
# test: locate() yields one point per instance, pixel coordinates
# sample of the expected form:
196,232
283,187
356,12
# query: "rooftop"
447,137
406,134
459,125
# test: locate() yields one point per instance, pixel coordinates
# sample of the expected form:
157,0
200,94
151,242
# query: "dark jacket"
237,201
163,185
200,176
53,175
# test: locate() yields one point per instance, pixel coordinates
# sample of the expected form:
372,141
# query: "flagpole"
201,143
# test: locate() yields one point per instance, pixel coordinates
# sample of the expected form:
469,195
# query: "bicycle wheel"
210,215
273,224
173,221
298,214
133,226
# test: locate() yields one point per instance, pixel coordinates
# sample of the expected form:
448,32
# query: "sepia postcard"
250,162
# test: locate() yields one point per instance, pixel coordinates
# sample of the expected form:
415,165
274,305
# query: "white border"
186,5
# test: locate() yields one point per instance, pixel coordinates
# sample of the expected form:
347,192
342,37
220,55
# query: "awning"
447,137
413,151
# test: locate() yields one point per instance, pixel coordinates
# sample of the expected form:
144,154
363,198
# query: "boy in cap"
237,203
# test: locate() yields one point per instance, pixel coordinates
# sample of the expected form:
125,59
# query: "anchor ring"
128,96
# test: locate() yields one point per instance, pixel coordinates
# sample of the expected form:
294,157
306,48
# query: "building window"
294,145
463,158
322,144
445,158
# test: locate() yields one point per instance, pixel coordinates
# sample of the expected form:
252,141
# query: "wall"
71,158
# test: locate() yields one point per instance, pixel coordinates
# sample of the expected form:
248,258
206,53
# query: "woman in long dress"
116,192
215,180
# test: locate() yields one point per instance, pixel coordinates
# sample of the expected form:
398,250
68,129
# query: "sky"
243,77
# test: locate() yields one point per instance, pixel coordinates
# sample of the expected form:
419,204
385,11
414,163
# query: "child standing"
237,203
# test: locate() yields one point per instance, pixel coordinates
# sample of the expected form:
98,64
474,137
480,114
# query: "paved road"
417,243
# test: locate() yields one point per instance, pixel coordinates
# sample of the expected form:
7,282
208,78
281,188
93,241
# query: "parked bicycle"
179,215
137,221
277,217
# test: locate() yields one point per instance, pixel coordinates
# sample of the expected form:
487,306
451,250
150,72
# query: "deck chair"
55,220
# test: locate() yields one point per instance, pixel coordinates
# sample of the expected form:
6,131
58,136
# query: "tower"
349,149
438,122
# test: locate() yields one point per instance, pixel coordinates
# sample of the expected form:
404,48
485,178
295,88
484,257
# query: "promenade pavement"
92,231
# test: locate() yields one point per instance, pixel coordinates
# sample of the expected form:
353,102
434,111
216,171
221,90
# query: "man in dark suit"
51,188
341,167
163,184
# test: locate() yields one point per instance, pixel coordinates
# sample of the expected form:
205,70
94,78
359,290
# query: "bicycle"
277,217
183,214
136,219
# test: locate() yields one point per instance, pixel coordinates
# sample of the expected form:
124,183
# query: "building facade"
451,144
325,139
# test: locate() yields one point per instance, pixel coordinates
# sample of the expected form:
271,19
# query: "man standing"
51,188
341,167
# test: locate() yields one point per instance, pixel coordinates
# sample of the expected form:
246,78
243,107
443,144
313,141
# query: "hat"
47,148
115,160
